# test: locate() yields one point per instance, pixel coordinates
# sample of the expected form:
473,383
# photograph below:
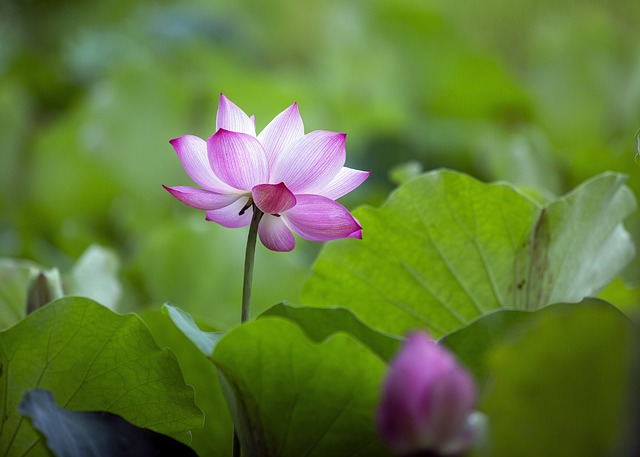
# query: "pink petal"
318,218
232,118
310,162
192,152
357,234
281,132
237,159
230,217
201,198
273,198
274,234
345,181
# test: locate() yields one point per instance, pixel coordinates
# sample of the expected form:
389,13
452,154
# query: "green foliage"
291,397
446,249
472,343
214,438
95,276
560,387
198,265
89,100
532,93
204,341
91,359
321,323
15,278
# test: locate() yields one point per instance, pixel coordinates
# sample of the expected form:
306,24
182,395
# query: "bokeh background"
541,93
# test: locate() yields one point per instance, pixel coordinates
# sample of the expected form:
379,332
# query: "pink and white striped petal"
232,118
275,235
230,217
310,162
318,218
192,152
273,198
237,159
281,132
345,181
201,198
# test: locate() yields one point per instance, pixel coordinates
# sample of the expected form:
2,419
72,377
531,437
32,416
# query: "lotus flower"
293,178
427,401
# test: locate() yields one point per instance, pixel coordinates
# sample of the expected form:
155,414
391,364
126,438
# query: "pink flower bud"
427,401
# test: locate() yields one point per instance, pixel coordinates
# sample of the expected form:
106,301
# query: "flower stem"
247,281
249,257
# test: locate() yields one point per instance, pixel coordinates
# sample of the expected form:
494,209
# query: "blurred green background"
541,93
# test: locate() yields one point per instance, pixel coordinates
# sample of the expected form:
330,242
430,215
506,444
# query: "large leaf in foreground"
320,323
291,397
91,359
559,389
445,249
472,343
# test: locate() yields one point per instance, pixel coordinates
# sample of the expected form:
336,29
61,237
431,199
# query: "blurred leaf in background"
539,93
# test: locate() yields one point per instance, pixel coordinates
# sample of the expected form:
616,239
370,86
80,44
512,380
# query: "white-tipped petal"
275,235
237,159
201,198
192,152
318,218
281,132
344,182
310,162
232,118
230,216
